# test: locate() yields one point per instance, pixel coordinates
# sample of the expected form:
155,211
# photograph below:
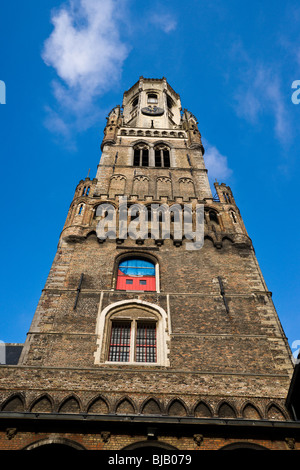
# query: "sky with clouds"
66,65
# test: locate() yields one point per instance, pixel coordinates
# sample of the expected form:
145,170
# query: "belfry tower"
141,341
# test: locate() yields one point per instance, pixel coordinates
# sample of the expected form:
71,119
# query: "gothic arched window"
136,274
140,155
162,156
133,332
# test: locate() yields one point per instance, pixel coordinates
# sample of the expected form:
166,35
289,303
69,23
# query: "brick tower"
142,341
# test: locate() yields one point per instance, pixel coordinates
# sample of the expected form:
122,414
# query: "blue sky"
66,64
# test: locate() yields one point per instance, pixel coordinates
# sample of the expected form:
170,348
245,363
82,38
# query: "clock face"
153,111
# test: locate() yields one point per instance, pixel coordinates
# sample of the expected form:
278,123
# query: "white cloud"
164,21
86,52
216,163
260,95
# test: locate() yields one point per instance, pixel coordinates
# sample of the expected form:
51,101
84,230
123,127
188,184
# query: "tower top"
152,108
152,103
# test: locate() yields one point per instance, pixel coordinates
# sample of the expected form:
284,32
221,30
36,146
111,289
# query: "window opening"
169,102
141,156
145,342
213,217
226,197
152,98
162,157
139,272
119,348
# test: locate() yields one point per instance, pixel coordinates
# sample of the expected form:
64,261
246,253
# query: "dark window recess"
145,157
162,157
169,102
141,156
157,158
129,281
119,347
136,159
143,282
166,159
213,217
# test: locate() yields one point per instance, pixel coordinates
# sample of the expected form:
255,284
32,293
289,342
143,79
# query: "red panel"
148,282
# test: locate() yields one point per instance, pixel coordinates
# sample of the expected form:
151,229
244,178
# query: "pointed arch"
151,406
14,403
226,410
140,186
177,408
164,187
202,410
98,405
135,310
186,188
125,406
275,412
70,404
250,411
162,156
42,404
117,185
140,154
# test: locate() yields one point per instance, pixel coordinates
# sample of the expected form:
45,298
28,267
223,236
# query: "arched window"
134,332
213,217
80,209
162,156
152,98
136,274
141,155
